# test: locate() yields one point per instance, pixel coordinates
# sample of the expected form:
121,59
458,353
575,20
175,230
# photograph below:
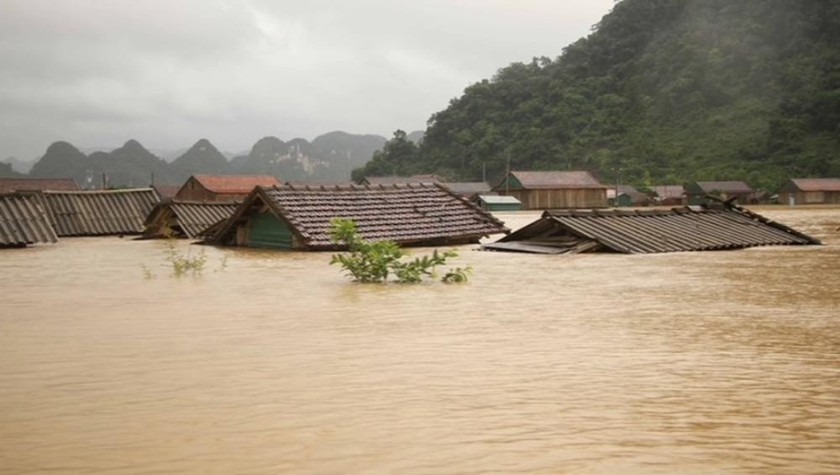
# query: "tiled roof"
554,180
23,221
235,184
407,214
649,231
191,217
98,213
817,184
8,185
724,186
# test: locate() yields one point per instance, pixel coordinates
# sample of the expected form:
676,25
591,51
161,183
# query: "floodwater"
272,362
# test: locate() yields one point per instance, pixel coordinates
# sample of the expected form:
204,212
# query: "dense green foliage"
373,261
662,91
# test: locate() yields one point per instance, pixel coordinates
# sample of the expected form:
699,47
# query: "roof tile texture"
241,184
407,213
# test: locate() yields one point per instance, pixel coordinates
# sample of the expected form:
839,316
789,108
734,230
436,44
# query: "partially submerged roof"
234,184
732,187
712,227
9,185
23,221
100,212
553,180
668,191
469,188
186,218
815,184
409,214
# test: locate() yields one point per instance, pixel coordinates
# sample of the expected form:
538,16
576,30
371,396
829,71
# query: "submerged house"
221,187
669,195
698,192
98,212
703,228
498,203
807,191
554,190
298,217
185,219
23,221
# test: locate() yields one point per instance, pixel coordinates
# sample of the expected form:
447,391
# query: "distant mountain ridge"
329,157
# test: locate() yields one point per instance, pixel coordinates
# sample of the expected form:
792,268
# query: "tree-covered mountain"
662,91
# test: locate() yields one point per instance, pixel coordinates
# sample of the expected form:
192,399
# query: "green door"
268,231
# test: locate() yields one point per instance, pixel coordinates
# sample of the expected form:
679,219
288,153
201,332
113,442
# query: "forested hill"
662,91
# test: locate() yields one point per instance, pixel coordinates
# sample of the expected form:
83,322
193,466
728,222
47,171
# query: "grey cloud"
168,72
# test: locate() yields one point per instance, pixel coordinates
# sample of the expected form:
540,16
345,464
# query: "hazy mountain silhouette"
201,158
330,157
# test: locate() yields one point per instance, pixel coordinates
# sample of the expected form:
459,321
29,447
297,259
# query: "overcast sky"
169,72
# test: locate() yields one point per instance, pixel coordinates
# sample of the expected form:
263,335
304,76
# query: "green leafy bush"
374,261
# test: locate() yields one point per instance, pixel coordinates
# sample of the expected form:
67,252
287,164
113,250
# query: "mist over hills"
329,157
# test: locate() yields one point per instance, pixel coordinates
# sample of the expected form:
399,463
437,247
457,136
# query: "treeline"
662,91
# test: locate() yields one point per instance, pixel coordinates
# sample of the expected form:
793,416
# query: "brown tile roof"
724,186
706,228
8,185
23,221
416,214
167,192
186,217
817,184
235,184
556,179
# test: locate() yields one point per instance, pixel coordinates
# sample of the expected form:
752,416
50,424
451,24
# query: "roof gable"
193,218
406,214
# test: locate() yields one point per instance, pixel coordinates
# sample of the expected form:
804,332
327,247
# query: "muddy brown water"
272,362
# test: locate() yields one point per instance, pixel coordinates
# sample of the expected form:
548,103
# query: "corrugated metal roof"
234,184
9,185
406,214
499,200
651,231
191,218
557,179
23,221
100,212
817,184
